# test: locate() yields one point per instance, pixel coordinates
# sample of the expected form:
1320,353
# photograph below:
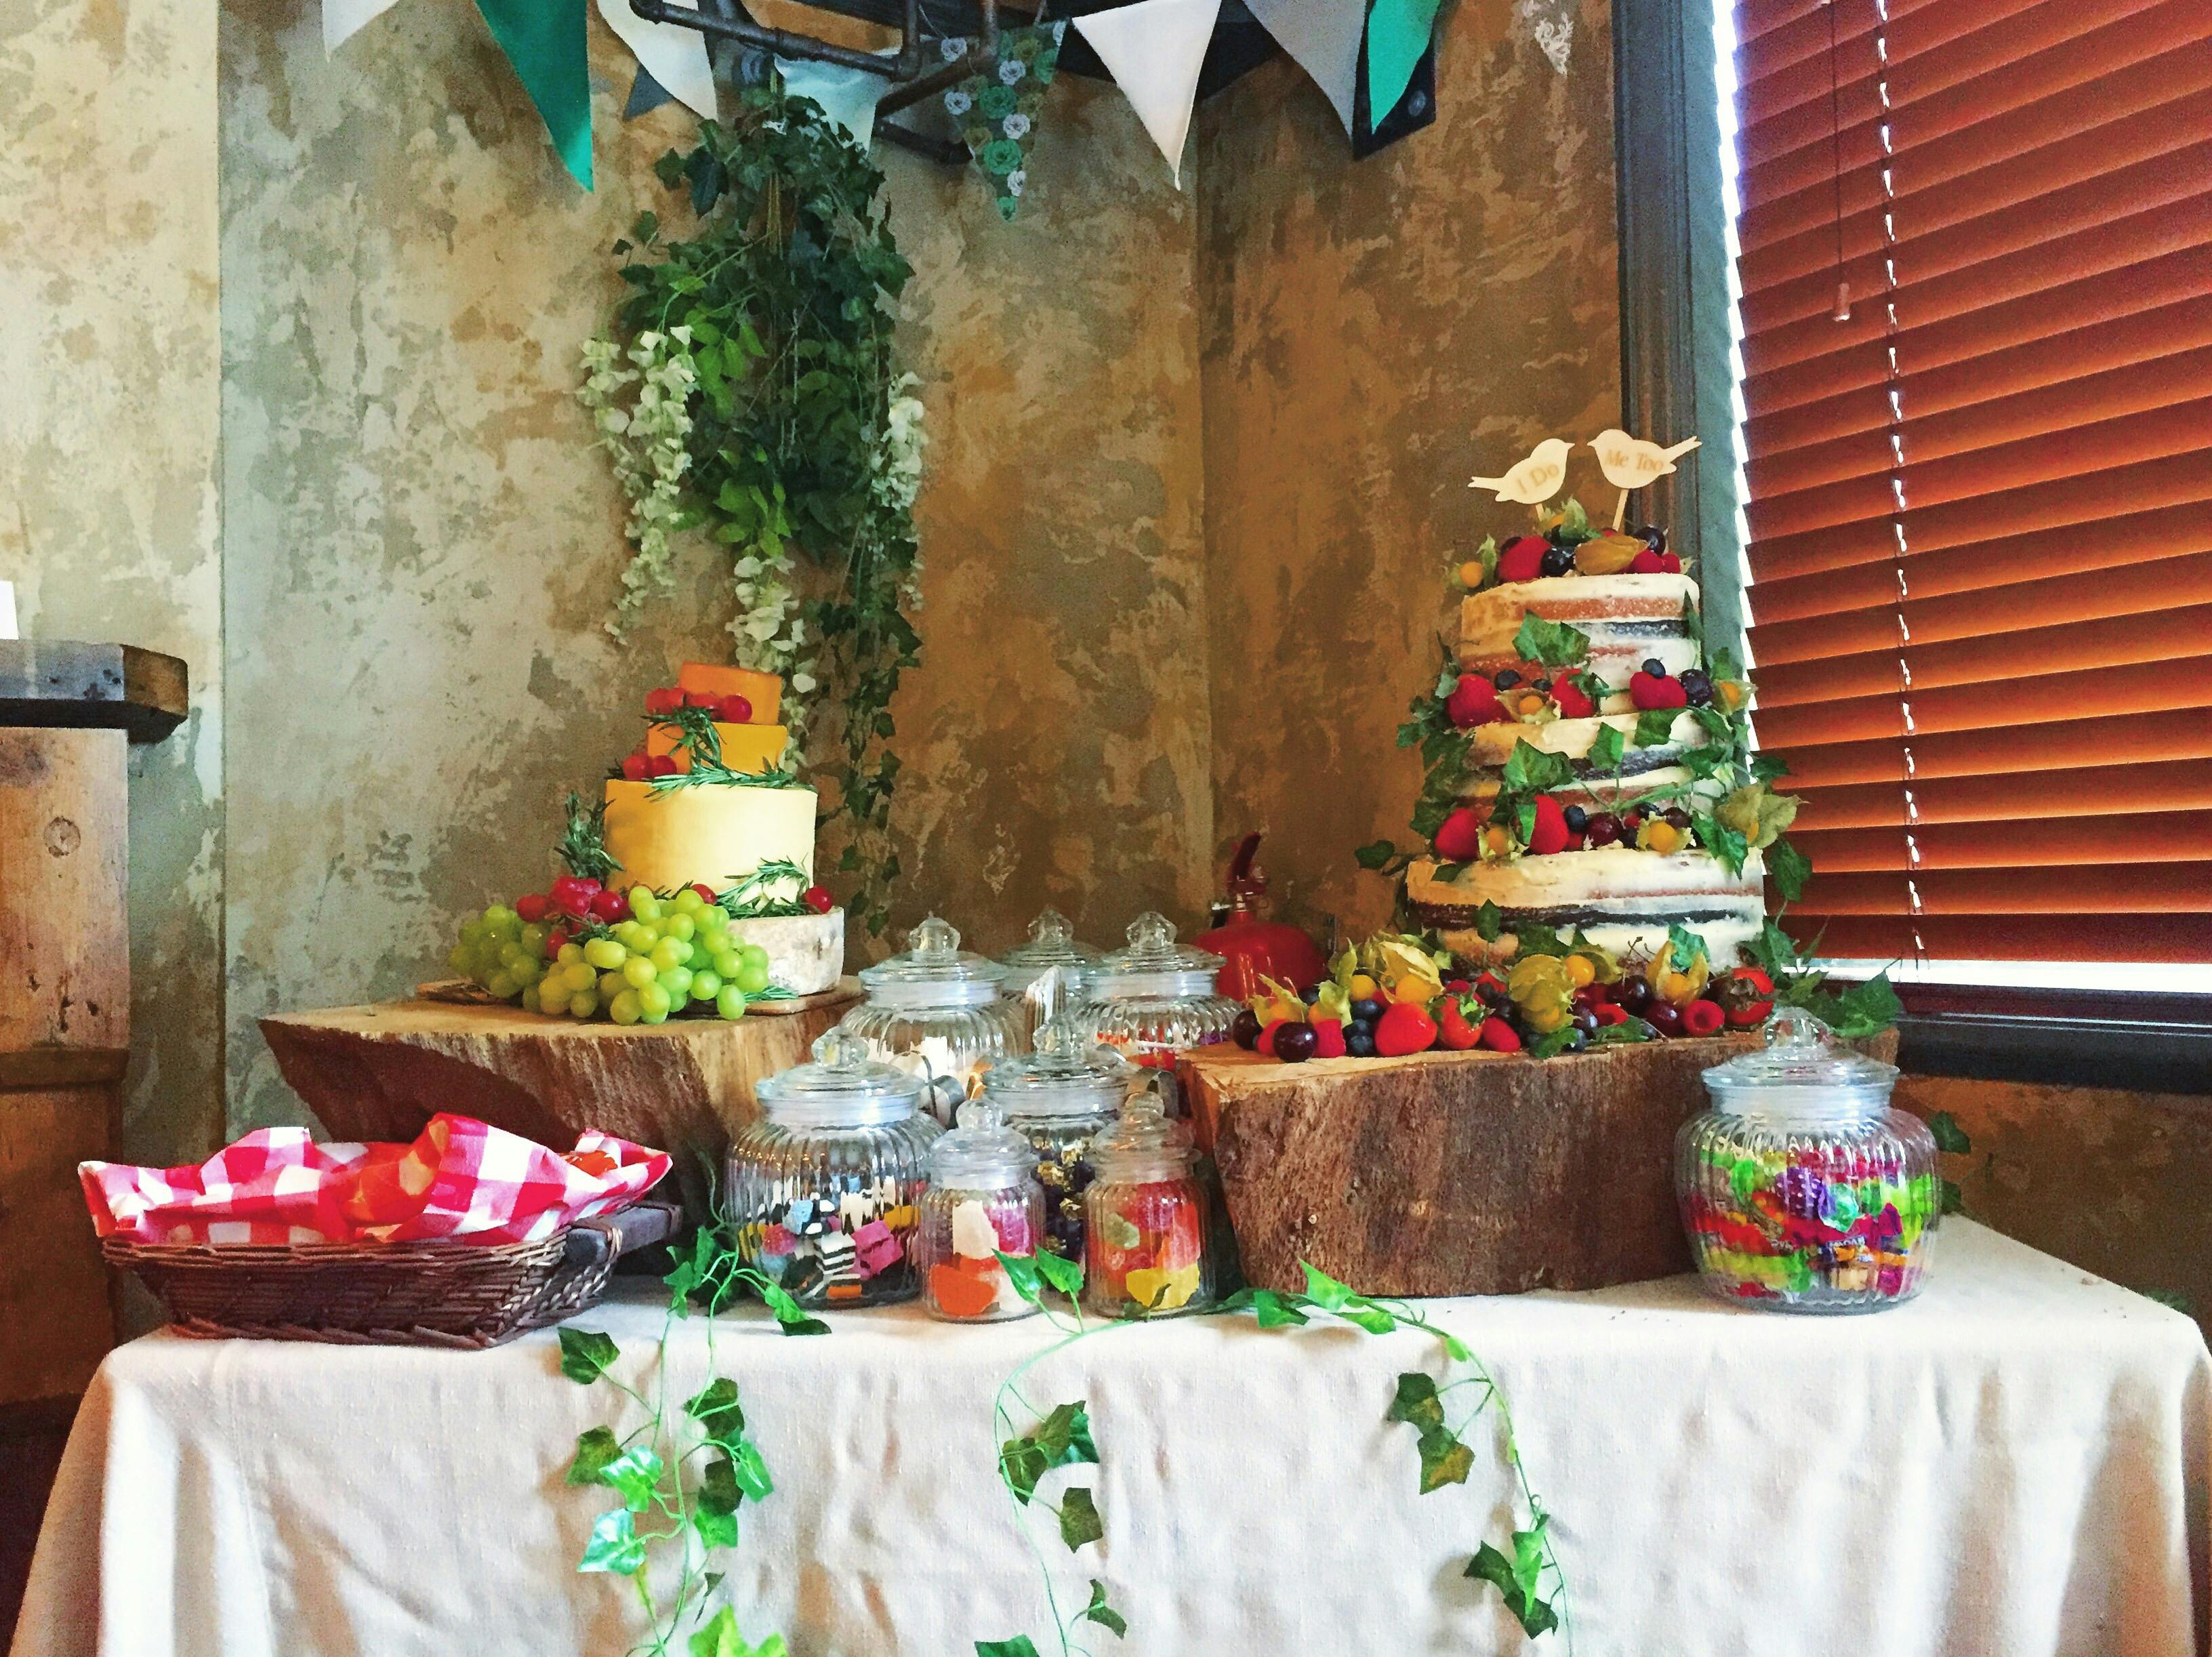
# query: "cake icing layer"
715,833
1628,618
1493,744
763,690
744,747
1622,898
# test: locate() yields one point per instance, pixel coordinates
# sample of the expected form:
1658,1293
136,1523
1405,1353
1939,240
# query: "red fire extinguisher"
1252,947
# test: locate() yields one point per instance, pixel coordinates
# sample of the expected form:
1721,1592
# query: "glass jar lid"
1154,965
982,1153
934,972
1799,1072
1067,1075
843,1088
1141,1143
1051,944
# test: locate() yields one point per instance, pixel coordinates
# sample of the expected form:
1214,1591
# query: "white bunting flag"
1322,38
343,19
1154,50
847,96
674,57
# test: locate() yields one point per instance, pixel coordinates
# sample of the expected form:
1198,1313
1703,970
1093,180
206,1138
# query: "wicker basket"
405,1294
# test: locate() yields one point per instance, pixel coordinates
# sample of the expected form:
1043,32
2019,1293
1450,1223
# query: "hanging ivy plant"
748,391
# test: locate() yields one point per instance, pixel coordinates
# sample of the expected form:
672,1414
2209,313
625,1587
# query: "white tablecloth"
2016,1464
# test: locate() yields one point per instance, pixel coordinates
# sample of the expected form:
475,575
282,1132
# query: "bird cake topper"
1630,463
1534,480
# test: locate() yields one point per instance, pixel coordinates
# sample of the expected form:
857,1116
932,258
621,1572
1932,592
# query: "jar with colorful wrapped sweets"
1058,1099
1801,1188
982,1202
1051,945
936,1011
1156,998
1145,1217
825,1190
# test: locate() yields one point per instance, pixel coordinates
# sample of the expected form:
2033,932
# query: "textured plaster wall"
420,548
108,419
1375,332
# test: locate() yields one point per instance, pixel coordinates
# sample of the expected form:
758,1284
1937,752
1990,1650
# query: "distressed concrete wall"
1374,333
420,547
108,406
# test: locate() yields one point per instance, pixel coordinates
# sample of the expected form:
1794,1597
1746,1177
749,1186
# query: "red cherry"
706,892
1647,563
663,765
1550,833
1568,698
1459,838
1328,1040
1607,1014
1404,1029
608,907
1670,563
734,710
665,701
1499,1036
635,766
700,698
1702,1017
1521,559
1664,1016
1650,691
818,898
1475,702
532,906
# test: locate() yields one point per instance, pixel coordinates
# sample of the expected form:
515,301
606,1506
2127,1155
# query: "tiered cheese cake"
1590,769
707,799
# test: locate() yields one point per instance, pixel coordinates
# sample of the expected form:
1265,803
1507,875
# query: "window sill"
2140,1042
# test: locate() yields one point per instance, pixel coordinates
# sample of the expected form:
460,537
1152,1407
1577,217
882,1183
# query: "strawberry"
1702,1017
1746,995
609,906
1475,702
532,906
1567,696
705,699
1647,563
1650,691
1550,834
1454,1033
1521,559
1459,838
1606,1013
636,766
1328,1039
1670,563
734,710
1499,1036
1404,1029
662,703
817,899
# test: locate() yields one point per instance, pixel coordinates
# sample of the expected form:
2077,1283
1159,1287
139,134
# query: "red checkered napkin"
461,1178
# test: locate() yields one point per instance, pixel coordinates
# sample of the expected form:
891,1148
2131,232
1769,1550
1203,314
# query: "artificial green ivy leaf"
1535,1615
1444,1460
634,1475
1019,1646
595,1447
1769,768
1524,818
1607,748
1021,1271
1655,726
750,1471
585,1354
1417,1403
1489,921
1079,1518
1621,1035
1685,948
1694,624
715,1530
717,1408
1729,847
1368,1315
1574,525
1790,868
1534,938
1065,1275
791,1317
1529,769
1950,1197
615,1546
721,1638
1553,643
1100,1612
1021,1463
1863,1009
1553,1043
1376,854
1950,1137
1323,1291
1065,1435
1273,1311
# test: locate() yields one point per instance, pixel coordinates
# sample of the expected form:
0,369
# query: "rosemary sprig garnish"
749,900
583,843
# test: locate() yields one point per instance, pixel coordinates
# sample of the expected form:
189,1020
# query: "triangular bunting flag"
343,19
545,41
646,95
1397,35
675,56
1322,38
1154,51
847,96
997,112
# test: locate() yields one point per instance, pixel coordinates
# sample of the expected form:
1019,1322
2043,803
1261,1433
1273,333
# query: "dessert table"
2016,1463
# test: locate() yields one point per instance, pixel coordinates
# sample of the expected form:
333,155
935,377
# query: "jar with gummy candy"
824,1190
1059,1098
1801,1188
1144,1217
982,1203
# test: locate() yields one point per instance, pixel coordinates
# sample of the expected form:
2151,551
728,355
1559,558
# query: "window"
1972,248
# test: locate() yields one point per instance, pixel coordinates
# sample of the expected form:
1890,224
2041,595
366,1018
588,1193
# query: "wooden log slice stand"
381,1071
1458,1173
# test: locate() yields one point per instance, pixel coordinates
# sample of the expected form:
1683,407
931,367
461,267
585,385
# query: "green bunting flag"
997,111
545,41
1397,35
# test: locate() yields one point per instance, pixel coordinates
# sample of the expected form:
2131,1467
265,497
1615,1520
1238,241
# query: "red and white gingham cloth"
461,1178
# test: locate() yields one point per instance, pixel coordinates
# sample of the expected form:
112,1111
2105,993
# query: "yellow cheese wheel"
763,690
717,834
744,747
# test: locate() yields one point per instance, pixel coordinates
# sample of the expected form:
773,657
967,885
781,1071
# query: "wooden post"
70,711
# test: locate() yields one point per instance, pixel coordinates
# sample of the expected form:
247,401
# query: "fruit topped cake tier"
1589,776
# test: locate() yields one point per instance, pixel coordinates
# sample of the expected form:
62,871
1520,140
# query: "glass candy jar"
981,1202
1145,1217
935,1011
1801,1188
824,1190
1051,944
1156,997
1058,1100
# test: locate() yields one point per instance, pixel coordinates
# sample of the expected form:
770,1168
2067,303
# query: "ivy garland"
747,389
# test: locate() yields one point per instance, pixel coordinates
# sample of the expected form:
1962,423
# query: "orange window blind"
1979,505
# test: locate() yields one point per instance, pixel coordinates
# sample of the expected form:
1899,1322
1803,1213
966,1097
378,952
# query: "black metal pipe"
903,67
947,150
972,62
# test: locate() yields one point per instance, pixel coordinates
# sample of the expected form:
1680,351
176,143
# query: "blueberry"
1697,688
1366,1009
1311,993
1655,667
1558,560
1541,687
1507,678
1577,819
1359,1041
1577,1038
1652,536
1586,1022
1677,817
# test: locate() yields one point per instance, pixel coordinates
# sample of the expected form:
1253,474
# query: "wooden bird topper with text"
1630,463
1534,480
